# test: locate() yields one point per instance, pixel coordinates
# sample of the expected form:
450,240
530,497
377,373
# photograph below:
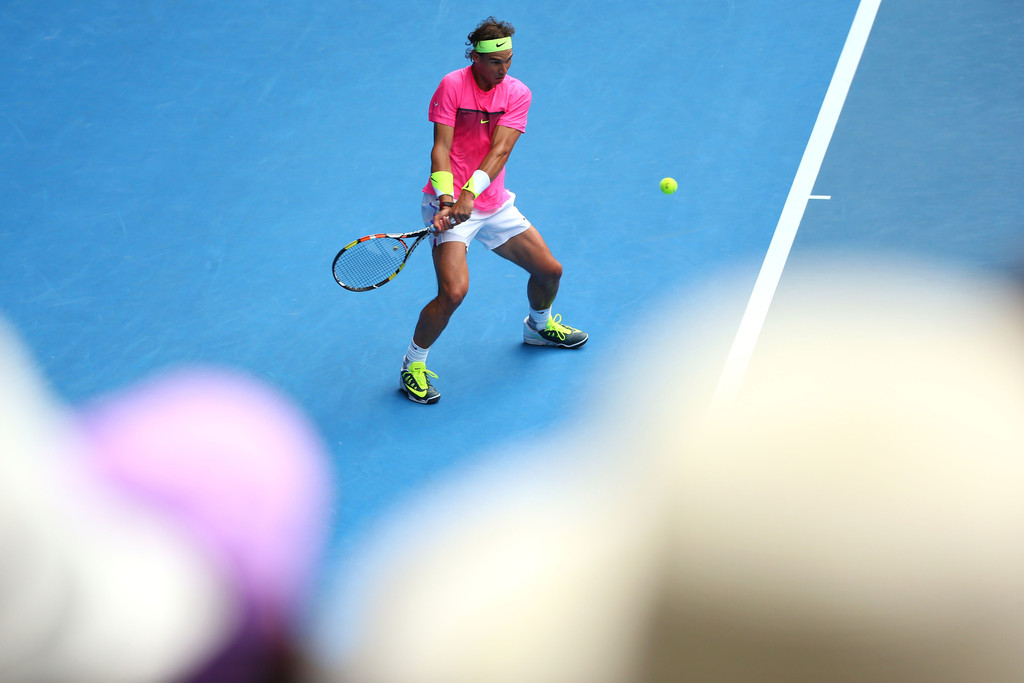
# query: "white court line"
796,203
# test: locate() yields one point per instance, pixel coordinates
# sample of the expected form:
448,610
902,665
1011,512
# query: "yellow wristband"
443,182
477,183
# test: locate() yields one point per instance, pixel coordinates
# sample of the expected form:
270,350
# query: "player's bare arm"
440,160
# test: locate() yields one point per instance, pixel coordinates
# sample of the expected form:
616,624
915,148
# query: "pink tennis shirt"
474,114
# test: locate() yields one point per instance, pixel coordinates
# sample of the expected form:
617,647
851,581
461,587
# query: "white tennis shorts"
490,229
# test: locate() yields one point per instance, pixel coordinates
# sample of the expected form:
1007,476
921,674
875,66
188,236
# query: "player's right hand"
443,220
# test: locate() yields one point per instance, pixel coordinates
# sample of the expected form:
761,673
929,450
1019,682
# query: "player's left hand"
463,207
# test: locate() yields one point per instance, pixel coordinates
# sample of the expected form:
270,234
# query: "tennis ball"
669,185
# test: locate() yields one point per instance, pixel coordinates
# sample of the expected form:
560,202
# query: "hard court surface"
176,178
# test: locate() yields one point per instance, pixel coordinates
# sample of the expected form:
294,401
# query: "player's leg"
452,271
529,251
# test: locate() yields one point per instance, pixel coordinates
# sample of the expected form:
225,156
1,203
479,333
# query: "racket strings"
370,262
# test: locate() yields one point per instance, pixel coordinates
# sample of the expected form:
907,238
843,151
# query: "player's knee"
552,271
451,298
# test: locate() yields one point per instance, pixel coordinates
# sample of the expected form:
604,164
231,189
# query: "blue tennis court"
177,178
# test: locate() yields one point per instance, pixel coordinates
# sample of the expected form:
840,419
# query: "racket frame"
400,236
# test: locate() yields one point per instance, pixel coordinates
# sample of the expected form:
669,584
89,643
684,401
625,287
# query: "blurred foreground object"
166,533
243,470
855,513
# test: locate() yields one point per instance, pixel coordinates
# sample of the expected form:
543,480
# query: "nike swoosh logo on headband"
500,44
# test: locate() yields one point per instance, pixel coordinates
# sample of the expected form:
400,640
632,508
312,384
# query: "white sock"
415,354
539,319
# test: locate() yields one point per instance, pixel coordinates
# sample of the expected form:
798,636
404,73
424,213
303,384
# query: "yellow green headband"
494,45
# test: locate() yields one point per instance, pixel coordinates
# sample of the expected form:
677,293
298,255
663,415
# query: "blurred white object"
92,588
855,513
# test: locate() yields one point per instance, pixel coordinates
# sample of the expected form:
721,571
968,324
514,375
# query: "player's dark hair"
488,29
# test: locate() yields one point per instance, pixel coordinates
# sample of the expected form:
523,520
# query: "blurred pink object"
237,464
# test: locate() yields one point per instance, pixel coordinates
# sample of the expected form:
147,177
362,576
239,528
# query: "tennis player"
479,112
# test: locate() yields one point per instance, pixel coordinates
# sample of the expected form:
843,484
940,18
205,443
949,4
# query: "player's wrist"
443,183
477,183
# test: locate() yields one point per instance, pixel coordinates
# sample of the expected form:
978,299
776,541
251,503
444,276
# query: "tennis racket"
373,261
